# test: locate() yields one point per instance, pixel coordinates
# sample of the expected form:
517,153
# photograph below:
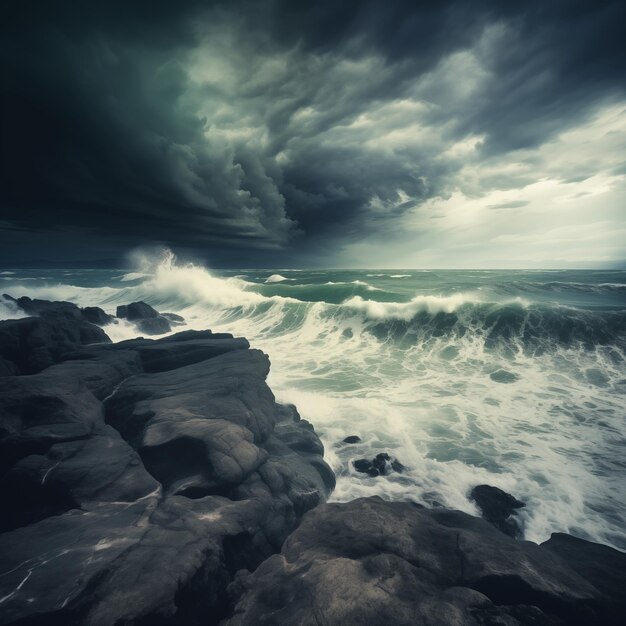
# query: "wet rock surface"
498,508
147,319
136,478
30,344
381,465
369,561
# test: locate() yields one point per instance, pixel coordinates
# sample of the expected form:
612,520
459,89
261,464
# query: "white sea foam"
133,276
121,330
407,310
10,311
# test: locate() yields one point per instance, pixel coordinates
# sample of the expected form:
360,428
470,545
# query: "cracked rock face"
369,561
137,478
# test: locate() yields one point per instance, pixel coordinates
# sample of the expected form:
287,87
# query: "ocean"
507,377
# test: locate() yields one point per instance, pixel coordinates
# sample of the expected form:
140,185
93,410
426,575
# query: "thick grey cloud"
274,132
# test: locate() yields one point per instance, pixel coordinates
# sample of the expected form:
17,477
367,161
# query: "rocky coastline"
158,481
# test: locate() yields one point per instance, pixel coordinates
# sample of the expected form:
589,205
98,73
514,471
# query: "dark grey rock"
136,311
8,368
49,566
99,369
369,561
219,410
365,466
153,326
163,355
46,308
147,319
352,439
381,465
96,315
168,353
61,310
57,453
31,344
498,508
147,522
600,565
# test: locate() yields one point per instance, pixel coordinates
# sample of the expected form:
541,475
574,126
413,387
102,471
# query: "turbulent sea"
512,378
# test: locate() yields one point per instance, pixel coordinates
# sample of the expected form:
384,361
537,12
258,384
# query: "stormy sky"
286,134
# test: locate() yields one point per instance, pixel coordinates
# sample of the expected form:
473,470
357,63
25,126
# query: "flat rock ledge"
369,561
136,478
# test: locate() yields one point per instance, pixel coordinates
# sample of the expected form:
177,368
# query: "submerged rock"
498,507
352,439
381,465
369,561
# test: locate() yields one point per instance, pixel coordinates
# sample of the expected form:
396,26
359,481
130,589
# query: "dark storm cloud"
278,126
97,134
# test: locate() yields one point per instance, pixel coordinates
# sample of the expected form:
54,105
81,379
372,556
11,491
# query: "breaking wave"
511,379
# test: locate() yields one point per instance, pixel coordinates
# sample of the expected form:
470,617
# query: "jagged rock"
153,326
204,407
369,561
46,308
31,344
96,315
147,319
99,368
61,309
381,465
136,311
600,565
132,526
57,453
498,508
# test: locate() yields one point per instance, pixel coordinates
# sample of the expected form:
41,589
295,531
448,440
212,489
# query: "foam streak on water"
511,378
